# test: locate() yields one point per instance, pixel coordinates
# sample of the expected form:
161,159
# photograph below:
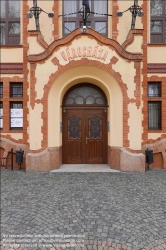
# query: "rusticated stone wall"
126,160
44,161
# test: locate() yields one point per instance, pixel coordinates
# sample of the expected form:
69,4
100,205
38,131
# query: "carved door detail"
84,136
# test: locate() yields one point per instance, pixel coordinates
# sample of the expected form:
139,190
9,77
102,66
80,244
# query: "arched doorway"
84,119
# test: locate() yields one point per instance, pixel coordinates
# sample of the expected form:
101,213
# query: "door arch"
84,130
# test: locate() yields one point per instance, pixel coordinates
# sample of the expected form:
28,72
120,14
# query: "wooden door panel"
95,154
96,133
74,152
79,125
73,138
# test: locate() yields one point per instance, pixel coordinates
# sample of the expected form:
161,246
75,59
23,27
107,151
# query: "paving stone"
119,210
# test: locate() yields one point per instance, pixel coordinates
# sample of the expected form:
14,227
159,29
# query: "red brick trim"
133,150
55,20
156,45
10,46
137,80
19,141
144,21
33,80
39,39
11,68
91,34
115,20
38,150
157,68
25,70
131,35
151,141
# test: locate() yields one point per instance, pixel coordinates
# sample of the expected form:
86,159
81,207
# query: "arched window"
94,21
85,95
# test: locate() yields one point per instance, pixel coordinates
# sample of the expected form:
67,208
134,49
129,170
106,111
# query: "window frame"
159,127
1,115
11,104
12,87
78,19
7,20
162,18
159,89
1,89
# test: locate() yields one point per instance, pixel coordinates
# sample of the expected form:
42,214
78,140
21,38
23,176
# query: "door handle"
87,139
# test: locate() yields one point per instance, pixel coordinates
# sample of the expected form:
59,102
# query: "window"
10,22
154,115
16,89
154,89
1,89
158,21
16,115
1,115
94,21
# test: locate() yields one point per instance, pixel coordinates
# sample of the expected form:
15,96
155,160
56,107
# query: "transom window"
94,21
85,95
10,22
158,21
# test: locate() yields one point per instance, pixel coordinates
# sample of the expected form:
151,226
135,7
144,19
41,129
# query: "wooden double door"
84,136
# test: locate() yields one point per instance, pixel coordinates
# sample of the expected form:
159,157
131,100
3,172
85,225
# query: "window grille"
154,115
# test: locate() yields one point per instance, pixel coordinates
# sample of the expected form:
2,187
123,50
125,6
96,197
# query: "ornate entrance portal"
84,125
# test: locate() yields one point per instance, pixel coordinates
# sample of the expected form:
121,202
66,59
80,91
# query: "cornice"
90,33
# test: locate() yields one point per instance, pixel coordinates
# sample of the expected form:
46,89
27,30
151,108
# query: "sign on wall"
16,122
16,116
16,113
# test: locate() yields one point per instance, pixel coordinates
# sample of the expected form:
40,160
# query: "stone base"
123,160
5,147
159,151
45,161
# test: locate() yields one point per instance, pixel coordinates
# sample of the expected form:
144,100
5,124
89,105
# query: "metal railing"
5,160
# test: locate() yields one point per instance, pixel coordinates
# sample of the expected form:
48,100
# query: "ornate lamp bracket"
35,11
135,10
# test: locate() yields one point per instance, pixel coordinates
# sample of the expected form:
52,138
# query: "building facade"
83,96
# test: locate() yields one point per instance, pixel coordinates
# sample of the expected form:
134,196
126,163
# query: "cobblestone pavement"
83,210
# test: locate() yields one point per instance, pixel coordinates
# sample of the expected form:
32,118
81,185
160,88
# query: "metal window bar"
4,160
154,115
